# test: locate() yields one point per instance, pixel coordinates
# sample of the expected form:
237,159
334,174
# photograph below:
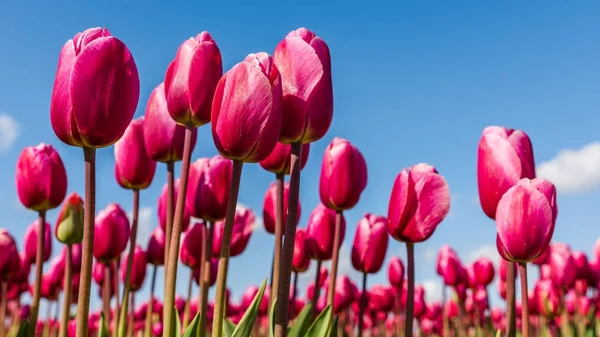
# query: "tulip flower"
396,272
484,271
279,161
162,209
563,267
301,260
243,226
10,263
111,233
139,269
31,242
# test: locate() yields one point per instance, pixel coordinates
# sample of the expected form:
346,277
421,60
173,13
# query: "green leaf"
499,333
175,322
23,328
272,318
303,322
334,327
244,327
320,328
228,328
103,328
193,327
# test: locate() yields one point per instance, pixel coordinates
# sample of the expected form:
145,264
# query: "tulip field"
267,109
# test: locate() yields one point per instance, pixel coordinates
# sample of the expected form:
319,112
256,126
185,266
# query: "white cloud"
574,170
9,130
433,290
488,251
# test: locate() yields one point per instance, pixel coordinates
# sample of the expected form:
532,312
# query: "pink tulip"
208,188
243,225
449,266
582,265
162,207
214,265
483,270
269,205
156,247
69,224
343,175
56,273
320,232
279,159
188,258
99,271
96,90
300,260
248,296
24,267
194,241
545,272
370,244
503,265
380,298
504,157
111,233
344,294
76,255
10,262
134,169
396,272
191,80
247,127
138,268
546,298
562,263
305,65
31,238
426,326
420,200
543,258
41,178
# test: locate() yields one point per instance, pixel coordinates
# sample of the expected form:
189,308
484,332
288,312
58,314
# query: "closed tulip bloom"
370,244
56,272
69,224
214,266
380,298
269,205
76,252
525,218
191,79
188,258
10,262
96,90
243,225
483,270
156,247
543,257
111,233
208,188
22,275
279,159
582,265
300,259
344,294
420,200
449,266
194,241
138,268
31,238
134,169
320,232
162,207
547,298
504,157
40,178
564,272
246,127
396,272
99,270
343,175
305,65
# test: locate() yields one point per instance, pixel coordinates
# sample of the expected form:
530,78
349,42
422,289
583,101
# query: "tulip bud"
188,258
111,233
10,262
208,188
243,225
31,238
420,200
138,268
483,270
41,178
214,266
582,265
305,65
194,241
547,298
69,224
270,204
162,207
279,159
449,266
504,157
396,272
247,127
344,294
544,257
370,244
96,90
320,232
134,169
300,260
562,263
525,219
156,247
380,298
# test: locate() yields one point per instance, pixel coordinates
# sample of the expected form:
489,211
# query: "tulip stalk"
524,300
279,211
410,294
511,320
361,306
115,279
337,237
294,295
106,294
132,239
38,272
3,305
205,277
317,290
281,312
150,310
67,292
170,212
46,328
85,282
219,311
445,323
186,312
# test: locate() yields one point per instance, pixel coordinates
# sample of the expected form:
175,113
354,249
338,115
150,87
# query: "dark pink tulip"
420,200
320,232
10,262
243,224
543,257
546,298
111,233
344,294
248,296
449,266
40,177
96,90
343,175
300,260
69,224
76,255
484,272
99,270
22,275
162,208
504,157
420,305
269,205
279,159
562,263
56,273
156,247
208,188
193,242
189,259
426,326
396,272
31,238
134,169
191,80
502,268
582,265
247,127
370,244
381,298
214,265
545,272
305,65
138,268
179,304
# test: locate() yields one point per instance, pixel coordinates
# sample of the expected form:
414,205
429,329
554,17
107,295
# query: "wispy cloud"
9,131
574,170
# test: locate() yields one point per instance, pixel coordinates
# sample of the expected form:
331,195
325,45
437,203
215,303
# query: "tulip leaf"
175,322
23,328
192,329
334,327
103,328
321,326
228,328
244,327
272,318
498,333
303,322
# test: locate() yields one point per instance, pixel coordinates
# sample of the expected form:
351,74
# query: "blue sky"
413,83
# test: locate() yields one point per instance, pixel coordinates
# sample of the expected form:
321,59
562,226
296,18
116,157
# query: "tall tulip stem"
171,259
285,270
317,290
445,323
39,267
337,238
85,281
410,294
205,277
132,239
170,211
3,305
66,310
461,315
186,312
294,295
279,211
524,300
150,310
106,294
219,312
511,320
361,306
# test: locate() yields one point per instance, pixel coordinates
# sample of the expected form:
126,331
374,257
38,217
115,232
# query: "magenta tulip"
138,271
301,260
370,244
134,169
162,208
30,242
189,258
156,247
396,272
243,225
344,294
320,232
563,267
483,270
208,188
111,233
381,298
449,266
10,262
279,159
269,205
543,258
194,241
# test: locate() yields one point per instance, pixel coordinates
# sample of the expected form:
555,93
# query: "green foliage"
303,322
322,325
192,329
272,318
23,328
244,327
228,328
103,328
